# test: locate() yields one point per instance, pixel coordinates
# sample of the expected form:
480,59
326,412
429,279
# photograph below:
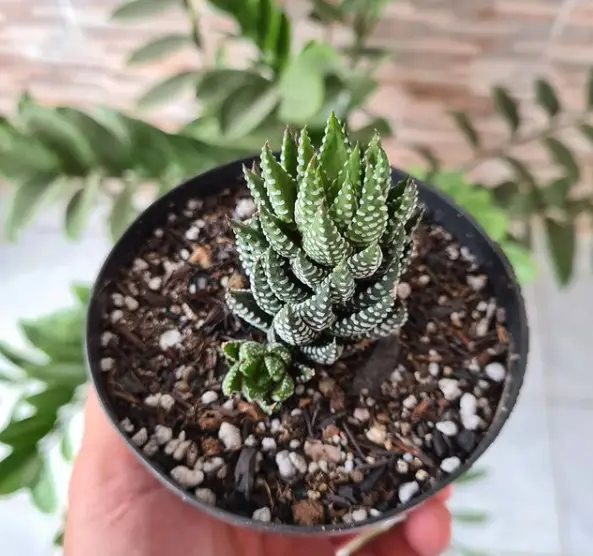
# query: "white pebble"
186,477
482,327
468,404
424,279
374,512
476,283
192,234
403,290
169,339
162,434
184,254
152,400
401,466
450,388
181,450
347,518
275,426
107,364
377,434
482,306
470,421
285,466
407,490
299,462
151,447
155,283
229,404
313,467
434,369
296,412
230,436
466,254
323,466
359,515
361,414
448,428
268,444
167,402
106,337
251,441
159,232
140,264
410,402
126,425
448,465
294,444
349,466
118,299
299,390
495,371
206,496
116,316
245,208
262,514
209,397
140,438
213,465
131,303
396,376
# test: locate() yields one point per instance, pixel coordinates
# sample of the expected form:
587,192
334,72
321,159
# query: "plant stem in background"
194,21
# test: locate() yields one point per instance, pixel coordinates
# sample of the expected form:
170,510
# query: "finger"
428,530
444,494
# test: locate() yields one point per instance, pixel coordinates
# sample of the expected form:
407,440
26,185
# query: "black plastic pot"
492,260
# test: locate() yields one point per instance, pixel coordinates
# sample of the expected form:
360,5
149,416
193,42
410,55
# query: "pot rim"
517,367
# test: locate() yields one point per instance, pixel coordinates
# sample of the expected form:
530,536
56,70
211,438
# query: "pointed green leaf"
43,491
306,271
561,244
281,281
232,381
275,367
252,369
402,201
370,219
69,374
309,197
246,108
589,92
317,310
471,476
344,206
324,354
546,97
292,328
304,154
563,156
334,153
281,187
431,159
473,517
363,321
137,9
365,134
507,107
587,131
521,171
66,447
366,262
342,284
284,389
289,154
381,287
322,241
13,356
80,206
251,350
262,291
556,191
467,128
82,292
24,201
158,48
249,242
163,91
396,318
276,236
122,212
52,398
522,260
242,304
28,431
377,159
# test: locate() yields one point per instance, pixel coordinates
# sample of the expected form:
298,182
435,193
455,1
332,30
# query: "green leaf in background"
430,158
521,171
587,131
507,107
28,431
80,206
215,85
561,238
281,48
301,89
471,476
563,156
43,491
556,191
521,260
51,399
546,97
467,128
66,448
137,9
327,11
19,469
24,201
470,517
158,48
162,91
247,108
11,355
365,134
66,374
122,212
505,192
62,137
82,292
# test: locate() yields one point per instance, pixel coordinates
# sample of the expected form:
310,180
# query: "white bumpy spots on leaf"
325,250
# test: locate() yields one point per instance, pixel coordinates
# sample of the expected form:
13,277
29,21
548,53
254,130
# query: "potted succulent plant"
313,346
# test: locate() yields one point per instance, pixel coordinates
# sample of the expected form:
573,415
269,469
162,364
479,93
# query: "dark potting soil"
363,436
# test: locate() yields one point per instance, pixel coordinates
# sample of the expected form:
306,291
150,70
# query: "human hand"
116,508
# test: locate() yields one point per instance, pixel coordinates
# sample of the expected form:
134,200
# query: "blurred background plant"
85,159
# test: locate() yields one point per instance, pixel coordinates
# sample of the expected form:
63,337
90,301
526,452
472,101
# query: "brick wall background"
448,53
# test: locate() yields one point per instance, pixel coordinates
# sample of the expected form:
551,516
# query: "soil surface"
342,449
